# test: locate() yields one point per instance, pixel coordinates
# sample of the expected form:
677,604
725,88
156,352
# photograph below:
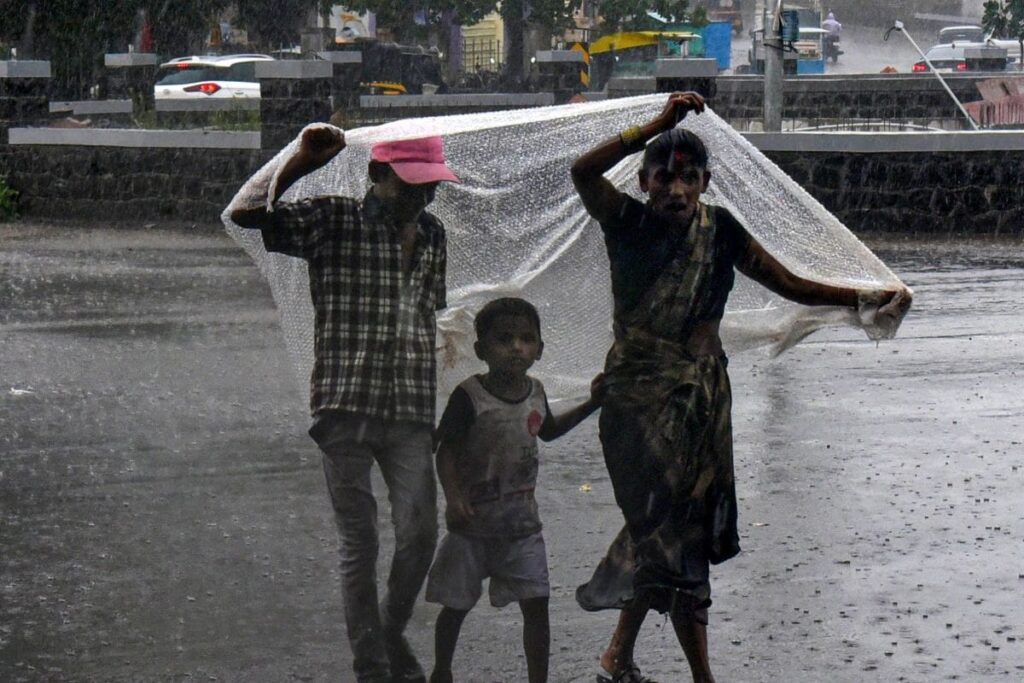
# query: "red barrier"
1006,111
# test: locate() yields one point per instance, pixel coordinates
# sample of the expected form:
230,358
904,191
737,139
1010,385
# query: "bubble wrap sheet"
517,228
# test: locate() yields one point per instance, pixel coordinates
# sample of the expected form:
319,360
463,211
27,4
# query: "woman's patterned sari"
667,436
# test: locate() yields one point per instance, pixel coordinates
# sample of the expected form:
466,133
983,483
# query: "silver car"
952,57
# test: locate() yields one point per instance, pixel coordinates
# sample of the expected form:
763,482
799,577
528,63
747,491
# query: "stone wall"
24,94
874,182
130,76
292,94
908,183
92,114
912,98
127,183
957,183
22,100
224,114
377,109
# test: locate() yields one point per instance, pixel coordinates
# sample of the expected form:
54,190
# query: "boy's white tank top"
499,471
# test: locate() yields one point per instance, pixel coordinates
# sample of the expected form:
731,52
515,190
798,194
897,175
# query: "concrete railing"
956,183
888,143
209,105
92,107
123,137
454,101
24,69
123,60
294,69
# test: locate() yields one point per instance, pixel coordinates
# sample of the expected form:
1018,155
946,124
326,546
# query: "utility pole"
898,26
773,80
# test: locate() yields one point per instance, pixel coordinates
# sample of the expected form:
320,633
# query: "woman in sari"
665,423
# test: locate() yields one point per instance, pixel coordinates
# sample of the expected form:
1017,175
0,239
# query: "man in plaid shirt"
377,275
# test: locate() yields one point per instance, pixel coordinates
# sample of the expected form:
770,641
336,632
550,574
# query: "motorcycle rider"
834,28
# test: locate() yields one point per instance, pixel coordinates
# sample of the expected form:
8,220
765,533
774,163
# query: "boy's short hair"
662,149
509,305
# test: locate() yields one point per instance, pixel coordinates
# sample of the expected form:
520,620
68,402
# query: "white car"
961,34
216,76
952,57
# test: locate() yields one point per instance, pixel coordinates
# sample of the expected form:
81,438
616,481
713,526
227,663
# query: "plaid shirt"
375,332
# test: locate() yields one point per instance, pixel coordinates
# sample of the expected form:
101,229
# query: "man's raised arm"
601,199
318,146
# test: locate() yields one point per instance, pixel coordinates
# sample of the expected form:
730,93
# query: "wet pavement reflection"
165,518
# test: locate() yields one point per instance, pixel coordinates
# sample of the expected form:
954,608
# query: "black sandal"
630,674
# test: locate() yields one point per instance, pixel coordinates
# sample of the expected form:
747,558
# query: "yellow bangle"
632,138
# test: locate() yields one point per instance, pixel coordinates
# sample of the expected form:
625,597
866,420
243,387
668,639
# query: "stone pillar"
347,72
131,75
293,93
316,38
680,74
561,72
24,94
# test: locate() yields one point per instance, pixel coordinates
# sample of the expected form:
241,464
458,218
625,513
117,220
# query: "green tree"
550,16
400,17
75,34
1005,19
274,24
627,15
180,27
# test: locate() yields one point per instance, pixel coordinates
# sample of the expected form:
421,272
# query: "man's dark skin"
404,202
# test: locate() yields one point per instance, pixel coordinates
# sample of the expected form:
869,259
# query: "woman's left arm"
762,267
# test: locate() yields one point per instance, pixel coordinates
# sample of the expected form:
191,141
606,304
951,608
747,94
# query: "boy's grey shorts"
518,570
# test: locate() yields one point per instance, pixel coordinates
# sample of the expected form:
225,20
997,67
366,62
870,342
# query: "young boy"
487,464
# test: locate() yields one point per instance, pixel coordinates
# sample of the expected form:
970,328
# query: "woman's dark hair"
512,306
663,148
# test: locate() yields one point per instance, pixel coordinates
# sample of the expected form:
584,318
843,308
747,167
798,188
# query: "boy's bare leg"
446,636
536,638
693,636
619,654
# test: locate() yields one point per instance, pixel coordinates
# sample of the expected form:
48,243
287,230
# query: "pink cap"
415,161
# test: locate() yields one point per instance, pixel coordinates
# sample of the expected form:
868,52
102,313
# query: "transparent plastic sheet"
517,228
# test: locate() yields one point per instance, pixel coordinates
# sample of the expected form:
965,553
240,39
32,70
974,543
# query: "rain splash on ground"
165,518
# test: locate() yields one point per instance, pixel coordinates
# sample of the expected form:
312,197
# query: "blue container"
810,66
790,25
718,42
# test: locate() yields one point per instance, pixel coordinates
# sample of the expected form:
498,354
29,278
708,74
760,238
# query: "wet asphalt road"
164,516
865,50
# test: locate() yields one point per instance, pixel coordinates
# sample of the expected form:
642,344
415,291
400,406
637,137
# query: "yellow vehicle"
383,88
651,44
632,53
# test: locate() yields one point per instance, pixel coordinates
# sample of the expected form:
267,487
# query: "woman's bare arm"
765,269
601,199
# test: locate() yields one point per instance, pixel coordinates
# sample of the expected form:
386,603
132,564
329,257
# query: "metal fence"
848,125
481,55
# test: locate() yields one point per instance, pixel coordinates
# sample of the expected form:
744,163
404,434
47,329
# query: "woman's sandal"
630,674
